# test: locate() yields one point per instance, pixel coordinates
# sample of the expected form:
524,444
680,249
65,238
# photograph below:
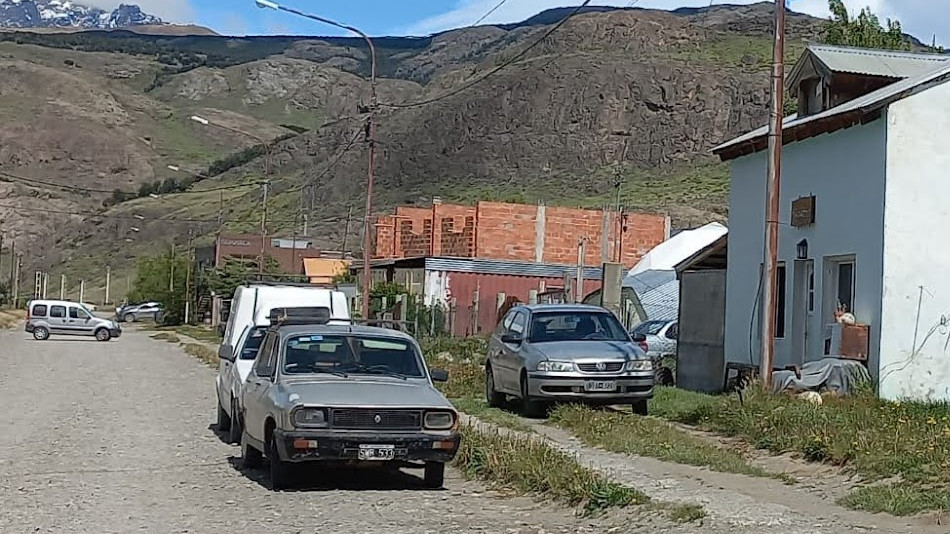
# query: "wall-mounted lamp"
801,250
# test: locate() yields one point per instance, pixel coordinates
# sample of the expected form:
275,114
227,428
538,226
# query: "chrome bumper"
567,386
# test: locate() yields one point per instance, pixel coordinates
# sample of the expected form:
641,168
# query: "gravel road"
117,437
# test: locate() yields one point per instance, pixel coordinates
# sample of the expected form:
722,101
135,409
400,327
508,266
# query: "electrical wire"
490,11
495,70
333,163
68,187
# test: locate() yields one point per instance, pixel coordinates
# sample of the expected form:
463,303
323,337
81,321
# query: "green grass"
686,513
202,352
643,436
901,499
166,336
530,467
198,332
480,409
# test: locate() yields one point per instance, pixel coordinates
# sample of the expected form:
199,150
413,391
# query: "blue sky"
923,18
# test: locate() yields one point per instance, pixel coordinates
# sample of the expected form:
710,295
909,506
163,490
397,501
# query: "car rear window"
39,310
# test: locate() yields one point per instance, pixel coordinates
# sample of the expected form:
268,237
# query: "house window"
845,285
780,302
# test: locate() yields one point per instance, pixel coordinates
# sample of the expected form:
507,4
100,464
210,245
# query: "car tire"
40,333
640,408
279,470
664,377
103,334
492,396
235,430
530,407
434,475
223,423
129,318
251,458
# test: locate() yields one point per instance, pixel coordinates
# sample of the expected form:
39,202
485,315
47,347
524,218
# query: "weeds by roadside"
643,436
480,409
166,336
529,466
198,332
686,513
11,318
201,352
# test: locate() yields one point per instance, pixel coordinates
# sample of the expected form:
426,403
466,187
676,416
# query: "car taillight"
644,346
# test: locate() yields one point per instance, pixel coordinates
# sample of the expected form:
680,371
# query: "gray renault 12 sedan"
350,394
546,353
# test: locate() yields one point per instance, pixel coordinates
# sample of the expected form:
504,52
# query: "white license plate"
600,385
377,452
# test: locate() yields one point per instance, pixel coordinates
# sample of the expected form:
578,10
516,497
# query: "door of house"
803,309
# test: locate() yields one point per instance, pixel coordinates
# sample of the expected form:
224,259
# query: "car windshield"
253,343
576,326
352,355
649,328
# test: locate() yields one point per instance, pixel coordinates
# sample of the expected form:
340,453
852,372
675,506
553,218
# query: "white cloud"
167,10
922,18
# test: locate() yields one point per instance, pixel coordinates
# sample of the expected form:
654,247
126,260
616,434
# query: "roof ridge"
935,56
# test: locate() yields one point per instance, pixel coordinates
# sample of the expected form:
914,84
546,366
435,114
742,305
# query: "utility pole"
581,258
108,284
260,263
45,283
171,271
62,287
774,189
17,265
221,213
13,264
82,291
346,231
188,276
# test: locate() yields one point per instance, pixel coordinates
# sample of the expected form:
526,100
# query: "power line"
490,11
497,69
333,163
76,188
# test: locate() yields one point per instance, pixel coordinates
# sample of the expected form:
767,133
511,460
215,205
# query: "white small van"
247,323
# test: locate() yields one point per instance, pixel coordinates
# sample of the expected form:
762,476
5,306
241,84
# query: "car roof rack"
390,324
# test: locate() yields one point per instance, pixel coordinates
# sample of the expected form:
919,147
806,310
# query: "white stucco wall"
845,172
916,219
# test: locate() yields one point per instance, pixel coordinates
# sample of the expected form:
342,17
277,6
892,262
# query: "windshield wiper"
315,370
376,370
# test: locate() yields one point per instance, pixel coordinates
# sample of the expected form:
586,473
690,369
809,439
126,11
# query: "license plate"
599,385
377,452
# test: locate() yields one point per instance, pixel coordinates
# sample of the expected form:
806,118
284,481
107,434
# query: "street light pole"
371,134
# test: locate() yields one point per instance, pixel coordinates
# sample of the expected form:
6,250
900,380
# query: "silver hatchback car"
542,354
58,317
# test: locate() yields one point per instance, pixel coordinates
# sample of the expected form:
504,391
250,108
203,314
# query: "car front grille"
608,367
369,419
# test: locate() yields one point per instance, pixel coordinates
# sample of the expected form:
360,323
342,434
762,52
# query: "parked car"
58,317
245,329
659,340
545,353
131,313
342,394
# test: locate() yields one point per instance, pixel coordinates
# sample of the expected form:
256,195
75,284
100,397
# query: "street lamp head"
175,168
266,4
153,195
200,120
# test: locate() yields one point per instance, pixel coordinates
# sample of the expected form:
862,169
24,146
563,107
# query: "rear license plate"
600,385
377,452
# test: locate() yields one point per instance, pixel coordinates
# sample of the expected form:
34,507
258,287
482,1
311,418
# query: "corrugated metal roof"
510,268
658,292
888,63
870,102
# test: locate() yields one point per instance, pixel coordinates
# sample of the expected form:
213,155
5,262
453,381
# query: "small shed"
700,357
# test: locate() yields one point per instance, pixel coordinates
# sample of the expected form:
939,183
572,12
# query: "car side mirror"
439,375
226,352
639,337
512,339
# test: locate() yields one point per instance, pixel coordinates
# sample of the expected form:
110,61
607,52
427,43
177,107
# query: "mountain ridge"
69,14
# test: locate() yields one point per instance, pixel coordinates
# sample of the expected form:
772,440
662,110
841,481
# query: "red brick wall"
506,231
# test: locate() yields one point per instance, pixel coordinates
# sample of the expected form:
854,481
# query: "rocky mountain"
68,14
639,94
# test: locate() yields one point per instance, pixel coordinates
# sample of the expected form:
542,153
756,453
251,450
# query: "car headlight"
556,366
640,365
310,417
439,420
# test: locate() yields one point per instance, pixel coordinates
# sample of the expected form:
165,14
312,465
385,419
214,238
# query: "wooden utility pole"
188,277
346,231
770,278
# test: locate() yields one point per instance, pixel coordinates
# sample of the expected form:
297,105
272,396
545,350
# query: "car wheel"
234,431
434,477
664,377
492,396
640,408
40,333
129,318
103,335
530,407
251,458
279,470
224,422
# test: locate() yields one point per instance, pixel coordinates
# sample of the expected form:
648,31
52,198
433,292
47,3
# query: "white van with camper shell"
247,323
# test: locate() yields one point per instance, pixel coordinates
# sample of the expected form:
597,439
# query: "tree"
864,31
235,271
162,278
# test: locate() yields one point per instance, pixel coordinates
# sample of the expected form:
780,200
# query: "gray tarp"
841,376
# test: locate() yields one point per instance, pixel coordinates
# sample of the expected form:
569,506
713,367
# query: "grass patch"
166,336
198,332
11,318
462,358
686,513
201,352
480,409
530,467
899,499
642,436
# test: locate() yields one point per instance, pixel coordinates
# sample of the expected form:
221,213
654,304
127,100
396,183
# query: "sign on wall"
803,211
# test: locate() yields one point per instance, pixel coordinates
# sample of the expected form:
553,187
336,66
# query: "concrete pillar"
500,301
539,231
610,295
533,296
605,237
